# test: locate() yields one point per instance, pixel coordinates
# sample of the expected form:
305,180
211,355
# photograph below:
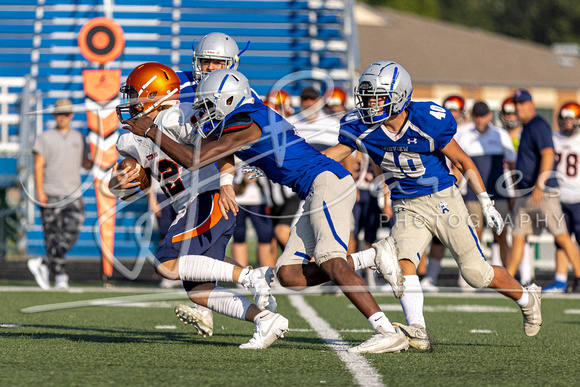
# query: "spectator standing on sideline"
567,148
510,122
537,204
59,154
318,128
490,148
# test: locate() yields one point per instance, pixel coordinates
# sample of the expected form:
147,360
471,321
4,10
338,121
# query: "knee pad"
477,274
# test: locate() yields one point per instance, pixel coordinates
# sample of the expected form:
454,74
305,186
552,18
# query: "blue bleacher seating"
281,35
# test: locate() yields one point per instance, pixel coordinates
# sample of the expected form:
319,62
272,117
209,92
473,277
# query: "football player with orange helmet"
194,248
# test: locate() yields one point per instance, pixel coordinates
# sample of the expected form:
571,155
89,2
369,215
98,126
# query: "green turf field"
478,341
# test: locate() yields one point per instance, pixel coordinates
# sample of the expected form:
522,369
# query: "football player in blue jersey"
410,141
233,122
215,51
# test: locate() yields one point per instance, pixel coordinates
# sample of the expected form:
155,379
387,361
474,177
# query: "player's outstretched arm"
338,152
465,165
210,151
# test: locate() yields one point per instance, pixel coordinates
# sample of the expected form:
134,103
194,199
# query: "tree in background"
541,21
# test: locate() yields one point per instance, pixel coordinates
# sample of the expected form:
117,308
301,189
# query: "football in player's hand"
143,177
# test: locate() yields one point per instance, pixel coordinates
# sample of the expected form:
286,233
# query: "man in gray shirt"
59,154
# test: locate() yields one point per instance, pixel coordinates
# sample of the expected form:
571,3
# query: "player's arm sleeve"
346,136
236,123
446,128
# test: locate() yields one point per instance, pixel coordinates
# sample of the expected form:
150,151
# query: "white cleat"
61,281
417,336
387,263
40,272
533,311
200,317
428,286
269,327
258,281
383,342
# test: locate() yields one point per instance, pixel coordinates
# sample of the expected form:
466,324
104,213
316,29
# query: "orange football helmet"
147,87
336,99
456,103
568,118
281,101
335,96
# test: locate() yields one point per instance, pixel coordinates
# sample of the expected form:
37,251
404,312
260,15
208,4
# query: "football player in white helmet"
215,51
410,141
193,249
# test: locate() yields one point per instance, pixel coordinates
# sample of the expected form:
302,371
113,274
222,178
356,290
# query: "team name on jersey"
395,148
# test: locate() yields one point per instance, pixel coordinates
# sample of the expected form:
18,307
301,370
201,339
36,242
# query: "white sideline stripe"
450,308
481,331
340,330
363,372
572,311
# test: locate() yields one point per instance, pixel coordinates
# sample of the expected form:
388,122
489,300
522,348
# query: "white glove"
492,216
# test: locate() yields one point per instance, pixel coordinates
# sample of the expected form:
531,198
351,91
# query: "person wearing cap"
537,204
59,154
492,151
318,128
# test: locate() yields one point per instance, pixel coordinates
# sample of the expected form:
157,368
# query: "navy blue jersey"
411,160
280,153
536,136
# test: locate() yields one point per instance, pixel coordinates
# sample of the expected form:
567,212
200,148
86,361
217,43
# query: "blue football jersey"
188,86
411,160
280,153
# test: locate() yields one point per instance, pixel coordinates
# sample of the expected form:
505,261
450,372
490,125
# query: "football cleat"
40,272
533,311
61,281
555,287
258,282
200,317
387,263
428,285
575,288
269,327
383,342
417,336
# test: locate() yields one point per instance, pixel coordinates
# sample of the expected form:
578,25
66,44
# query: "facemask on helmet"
384,90
568,118
508,116
148,87
219,93
215,46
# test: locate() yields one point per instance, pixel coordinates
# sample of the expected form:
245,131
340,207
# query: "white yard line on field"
363,372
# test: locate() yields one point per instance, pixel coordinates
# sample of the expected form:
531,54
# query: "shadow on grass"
109,335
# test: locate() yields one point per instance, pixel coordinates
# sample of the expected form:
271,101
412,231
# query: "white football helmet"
218,94
215,46
382,80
